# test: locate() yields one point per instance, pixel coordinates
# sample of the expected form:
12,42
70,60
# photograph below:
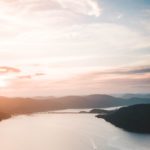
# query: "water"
67,132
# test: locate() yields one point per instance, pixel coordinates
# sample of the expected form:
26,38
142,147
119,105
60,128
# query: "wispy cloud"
139,70
85,7
25,77
40,74
31,76
130,70
6,69
124,72
117,80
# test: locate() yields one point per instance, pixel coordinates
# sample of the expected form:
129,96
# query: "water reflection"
67,132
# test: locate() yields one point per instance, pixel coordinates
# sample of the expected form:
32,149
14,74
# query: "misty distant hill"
27,105
31,105
128,96
99,101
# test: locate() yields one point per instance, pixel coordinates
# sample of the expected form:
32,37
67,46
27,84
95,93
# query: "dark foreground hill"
134,118
32,105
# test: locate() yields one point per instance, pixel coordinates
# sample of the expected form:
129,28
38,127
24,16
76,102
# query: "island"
135,118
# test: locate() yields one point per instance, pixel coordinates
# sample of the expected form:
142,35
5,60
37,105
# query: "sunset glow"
3,83
61,47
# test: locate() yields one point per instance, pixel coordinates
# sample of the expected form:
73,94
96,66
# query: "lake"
67,132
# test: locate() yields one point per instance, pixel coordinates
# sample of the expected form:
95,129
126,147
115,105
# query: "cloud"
111,81
85,7
130,70
139,70
25,77
22,16
109,74
108,36
22,77
5,70
40,74
61,21
104,39
117,80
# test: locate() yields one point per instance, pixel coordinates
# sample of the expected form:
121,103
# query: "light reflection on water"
67,132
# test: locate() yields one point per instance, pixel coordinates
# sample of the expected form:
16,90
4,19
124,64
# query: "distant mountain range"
40,104
127,96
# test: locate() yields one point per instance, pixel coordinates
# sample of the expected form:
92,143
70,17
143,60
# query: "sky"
74,47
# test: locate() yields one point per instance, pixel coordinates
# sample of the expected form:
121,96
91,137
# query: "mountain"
4,116
89,101
135,118
31,105
99,101
134,100
27,105
128,96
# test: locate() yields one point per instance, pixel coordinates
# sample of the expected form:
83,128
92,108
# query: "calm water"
67,132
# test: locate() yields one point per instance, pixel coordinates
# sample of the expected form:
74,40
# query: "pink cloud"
25,77
6,69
